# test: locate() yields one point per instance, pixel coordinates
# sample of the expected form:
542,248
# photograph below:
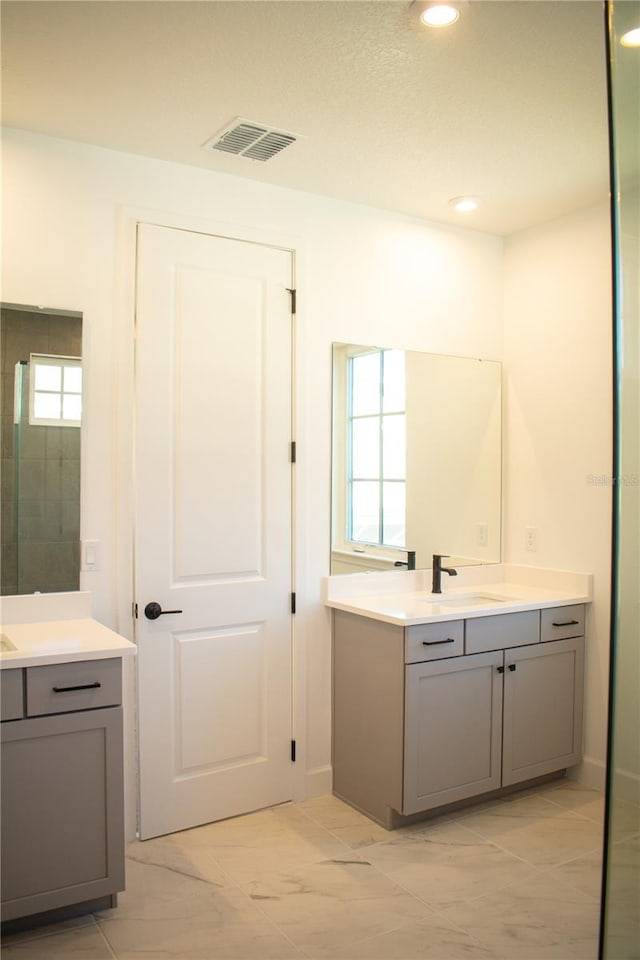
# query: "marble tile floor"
515,878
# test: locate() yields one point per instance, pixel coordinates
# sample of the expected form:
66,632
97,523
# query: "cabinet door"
62,821
542,709
453,720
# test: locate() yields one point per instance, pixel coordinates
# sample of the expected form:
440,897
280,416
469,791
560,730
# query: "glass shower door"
620,928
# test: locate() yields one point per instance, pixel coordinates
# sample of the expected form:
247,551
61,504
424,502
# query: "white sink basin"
466,599
5,643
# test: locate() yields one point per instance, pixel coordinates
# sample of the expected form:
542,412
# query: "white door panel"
213,526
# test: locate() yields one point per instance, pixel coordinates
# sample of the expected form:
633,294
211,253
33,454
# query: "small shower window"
55,391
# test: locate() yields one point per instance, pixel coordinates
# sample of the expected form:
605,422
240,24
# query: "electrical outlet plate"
531,539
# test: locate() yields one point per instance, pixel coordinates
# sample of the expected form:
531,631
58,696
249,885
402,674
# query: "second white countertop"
60,641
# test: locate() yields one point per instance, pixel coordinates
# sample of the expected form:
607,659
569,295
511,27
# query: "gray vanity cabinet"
62,790
422,719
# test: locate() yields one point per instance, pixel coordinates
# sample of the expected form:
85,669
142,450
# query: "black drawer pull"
437,643
565,623
512,667
81,686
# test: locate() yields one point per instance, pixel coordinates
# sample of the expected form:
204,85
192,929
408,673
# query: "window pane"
46,406
393,381
365,384
47,377
365,448
393,512
365,511
71,406
394,452
73,379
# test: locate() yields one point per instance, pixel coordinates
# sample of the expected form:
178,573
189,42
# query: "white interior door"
212,527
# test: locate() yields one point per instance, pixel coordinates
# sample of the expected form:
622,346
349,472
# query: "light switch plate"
90,555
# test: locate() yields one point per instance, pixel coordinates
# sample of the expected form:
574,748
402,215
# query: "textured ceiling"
509,104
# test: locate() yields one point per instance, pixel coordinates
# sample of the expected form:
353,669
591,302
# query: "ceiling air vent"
253,140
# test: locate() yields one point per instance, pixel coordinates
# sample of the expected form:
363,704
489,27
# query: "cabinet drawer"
12,689
81,685
502,631
559,623
433,641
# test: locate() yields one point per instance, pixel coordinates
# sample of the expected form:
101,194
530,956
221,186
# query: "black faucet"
409,563
438,570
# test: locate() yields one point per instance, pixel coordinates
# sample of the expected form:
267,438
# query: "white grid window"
376,424
55,391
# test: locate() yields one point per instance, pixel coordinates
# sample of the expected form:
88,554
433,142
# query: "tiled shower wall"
40,466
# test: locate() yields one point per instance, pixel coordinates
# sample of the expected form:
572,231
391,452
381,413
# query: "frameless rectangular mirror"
416,461
41,374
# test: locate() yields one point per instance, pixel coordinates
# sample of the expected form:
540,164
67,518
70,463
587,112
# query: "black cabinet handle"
512,667
565,623
437,643
153,610
81,686
500,669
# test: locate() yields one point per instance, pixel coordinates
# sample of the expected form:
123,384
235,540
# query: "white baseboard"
626,786
591,772
318,782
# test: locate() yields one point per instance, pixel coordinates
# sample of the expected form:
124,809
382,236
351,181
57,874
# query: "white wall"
364,275
557,351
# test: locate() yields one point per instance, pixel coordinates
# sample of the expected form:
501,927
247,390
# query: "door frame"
128,219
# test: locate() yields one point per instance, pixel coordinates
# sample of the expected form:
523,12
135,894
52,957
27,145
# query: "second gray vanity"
62,766
429,714
62,788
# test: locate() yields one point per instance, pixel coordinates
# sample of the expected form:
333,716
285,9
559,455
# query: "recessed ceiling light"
437,13
464,204
631,38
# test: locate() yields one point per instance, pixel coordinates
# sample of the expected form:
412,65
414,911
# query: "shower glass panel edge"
620,907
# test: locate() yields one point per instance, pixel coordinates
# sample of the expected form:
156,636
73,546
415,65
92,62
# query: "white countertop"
479,596
60,641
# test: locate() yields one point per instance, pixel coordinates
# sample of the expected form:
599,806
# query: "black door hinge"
293,451
293,603
293,751
293,293
134,610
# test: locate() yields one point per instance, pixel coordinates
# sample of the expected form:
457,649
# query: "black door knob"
153,610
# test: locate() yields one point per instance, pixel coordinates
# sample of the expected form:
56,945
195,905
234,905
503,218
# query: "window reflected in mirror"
55,391
376,443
